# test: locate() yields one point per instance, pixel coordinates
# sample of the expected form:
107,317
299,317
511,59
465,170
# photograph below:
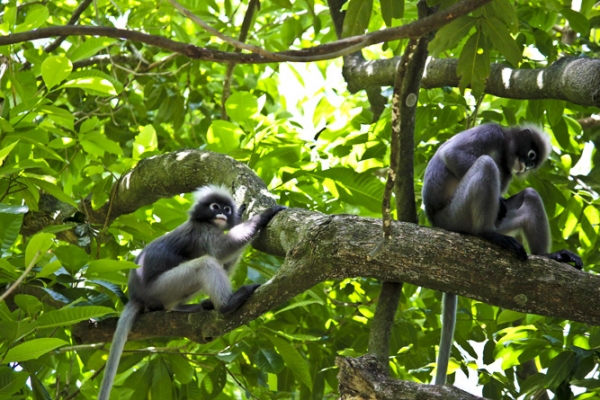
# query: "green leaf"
55,69
357,17
578,22
72,257
293,360
30,304
5,151
474,64
38,246
71,315
498,34
87,73
451,35
146,140
509,316
213,383
52,189
162,386
561,367
96,143
223,137
93,85
89,47
241,106
32,349
268,360
36,17
361,189
11,381
10,225
106,265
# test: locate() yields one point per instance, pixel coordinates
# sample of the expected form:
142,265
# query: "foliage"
75,120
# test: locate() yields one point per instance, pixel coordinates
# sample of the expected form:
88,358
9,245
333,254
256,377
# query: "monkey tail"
449,301
124,325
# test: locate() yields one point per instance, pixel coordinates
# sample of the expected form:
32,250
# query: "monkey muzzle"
220,220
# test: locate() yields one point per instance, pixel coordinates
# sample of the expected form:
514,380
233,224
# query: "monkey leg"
526,216
474,205
183,282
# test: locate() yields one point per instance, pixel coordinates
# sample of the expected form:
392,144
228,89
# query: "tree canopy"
112,112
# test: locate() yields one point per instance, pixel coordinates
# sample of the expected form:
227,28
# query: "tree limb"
573,79
322,52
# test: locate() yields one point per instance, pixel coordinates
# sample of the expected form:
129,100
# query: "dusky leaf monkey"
462,192
198,256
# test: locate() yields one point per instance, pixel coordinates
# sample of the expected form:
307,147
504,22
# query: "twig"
23,275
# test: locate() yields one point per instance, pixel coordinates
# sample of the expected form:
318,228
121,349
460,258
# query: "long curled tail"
448,323
124,325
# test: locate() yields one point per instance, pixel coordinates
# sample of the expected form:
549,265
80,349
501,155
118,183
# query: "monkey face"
216,210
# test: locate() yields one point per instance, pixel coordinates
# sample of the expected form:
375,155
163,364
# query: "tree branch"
573,79
322,52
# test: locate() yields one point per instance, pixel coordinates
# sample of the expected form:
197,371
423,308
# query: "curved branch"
322,52
572,79
321,247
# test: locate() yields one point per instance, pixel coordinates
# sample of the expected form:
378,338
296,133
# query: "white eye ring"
214,206
532,155
227,209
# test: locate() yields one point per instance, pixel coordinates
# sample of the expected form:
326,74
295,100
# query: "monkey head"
530,147
215,205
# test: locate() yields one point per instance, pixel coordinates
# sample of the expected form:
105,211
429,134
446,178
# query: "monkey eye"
532,155
227,209
215,206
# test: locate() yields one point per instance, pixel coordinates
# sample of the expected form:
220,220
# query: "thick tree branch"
573,79
321,52
363,379
321,247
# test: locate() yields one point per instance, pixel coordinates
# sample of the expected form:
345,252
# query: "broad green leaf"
223,137
509,316
505,10
161,381
105,265
59,116
451,35
91,46
30,304
474,64
36,17
98,144
55,69
72,257
578,22
357,17
49,269
11,381
93,85
361,189
37,246
71,315
268,360
52,189
94,73
145,141
498,34
241,106
561,367
293,360
213,383
32,349
5,151
391,9
10,225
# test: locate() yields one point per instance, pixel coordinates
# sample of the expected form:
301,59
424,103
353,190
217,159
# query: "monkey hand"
266,216
238,298
565,256
502,209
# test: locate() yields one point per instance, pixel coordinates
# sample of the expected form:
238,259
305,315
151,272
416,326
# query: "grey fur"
462,190
198,256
